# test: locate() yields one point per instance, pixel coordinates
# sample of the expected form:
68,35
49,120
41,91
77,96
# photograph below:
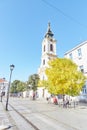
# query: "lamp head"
12,67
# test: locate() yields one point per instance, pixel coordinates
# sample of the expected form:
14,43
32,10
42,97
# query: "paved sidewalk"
4,118
12,120
15,122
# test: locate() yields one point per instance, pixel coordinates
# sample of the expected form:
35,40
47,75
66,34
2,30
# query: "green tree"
13,88
64,77
21,86
33,81
17,86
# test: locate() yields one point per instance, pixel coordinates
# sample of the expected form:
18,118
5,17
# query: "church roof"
49,32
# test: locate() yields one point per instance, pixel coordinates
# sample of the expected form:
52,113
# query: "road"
39,115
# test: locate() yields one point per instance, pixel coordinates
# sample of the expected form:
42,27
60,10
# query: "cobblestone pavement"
4,118
43,115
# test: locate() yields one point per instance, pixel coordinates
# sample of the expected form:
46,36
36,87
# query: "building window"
43,62
85,91
70,56
44,48
81,68
51,47
79,52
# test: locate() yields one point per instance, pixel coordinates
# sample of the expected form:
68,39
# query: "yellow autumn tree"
43,83
64,77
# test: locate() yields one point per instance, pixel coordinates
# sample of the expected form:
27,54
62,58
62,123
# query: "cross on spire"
49,32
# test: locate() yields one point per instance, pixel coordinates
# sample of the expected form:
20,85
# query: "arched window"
43,62
51,47
48,58
44,48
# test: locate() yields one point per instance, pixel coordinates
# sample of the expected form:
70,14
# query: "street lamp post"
11,69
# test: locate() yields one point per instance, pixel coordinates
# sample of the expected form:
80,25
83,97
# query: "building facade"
48,53
3,86
79,55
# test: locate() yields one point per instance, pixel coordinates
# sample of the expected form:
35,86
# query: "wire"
64,14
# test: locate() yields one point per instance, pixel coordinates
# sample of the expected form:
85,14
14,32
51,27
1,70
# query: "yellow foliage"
42,83
63,77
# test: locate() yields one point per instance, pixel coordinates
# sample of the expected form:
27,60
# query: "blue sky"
23,24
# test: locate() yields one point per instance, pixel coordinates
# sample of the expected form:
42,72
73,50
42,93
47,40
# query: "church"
48,53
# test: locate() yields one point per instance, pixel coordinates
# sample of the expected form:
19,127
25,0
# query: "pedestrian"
55,101
33,95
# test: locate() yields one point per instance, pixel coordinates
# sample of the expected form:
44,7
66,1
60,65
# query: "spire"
49,32
48,26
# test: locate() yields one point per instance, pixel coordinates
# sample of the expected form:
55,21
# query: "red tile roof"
2,80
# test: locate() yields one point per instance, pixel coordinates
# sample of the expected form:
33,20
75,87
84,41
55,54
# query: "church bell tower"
48,52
